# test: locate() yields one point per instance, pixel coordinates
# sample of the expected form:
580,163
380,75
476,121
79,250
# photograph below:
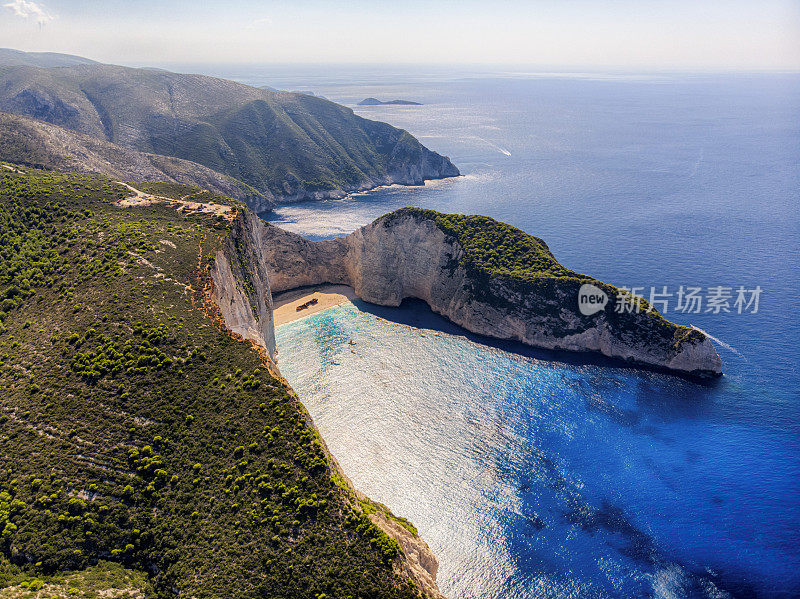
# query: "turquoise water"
536,475
533,477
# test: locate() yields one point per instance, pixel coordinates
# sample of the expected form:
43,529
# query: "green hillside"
499,257
36,143
136,430
289,145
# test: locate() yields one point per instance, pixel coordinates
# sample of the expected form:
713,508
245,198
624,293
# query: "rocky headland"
486,276
263,146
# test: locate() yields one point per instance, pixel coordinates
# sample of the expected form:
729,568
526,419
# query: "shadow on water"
595,377
665,396
638,546
613,526
416,313
617,530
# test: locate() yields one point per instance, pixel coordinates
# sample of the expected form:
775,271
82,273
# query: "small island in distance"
376,102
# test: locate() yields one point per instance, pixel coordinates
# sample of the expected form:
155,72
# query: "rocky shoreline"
408,255
411,254
338,194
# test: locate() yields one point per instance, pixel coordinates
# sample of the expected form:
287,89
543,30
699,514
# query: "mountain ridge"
36,143
288,145
9,56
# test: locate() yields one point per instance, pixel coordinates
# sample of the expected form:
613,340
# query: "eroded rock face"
407,256
418,561
251,257
240,285
410,257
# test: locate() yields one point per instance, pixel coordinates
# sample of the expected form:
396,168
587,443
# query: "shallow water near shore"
541,478
531,476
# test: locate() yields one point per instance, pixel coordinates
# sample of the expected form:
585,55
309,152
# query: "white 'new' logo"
591,299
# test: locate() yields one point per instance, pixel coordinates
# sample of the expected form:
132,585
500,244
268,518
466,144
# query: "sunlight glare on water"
526,477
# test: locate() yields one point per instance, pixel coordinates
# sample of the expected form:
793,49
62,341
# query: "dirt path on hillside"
141,198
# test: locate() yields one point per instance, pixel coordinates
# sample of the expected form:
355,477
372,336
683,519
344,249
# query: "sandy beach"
327,296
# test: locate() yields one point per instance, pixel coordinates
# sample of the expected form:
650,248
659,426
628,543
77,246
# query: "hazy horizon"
520,69
648,35
504,69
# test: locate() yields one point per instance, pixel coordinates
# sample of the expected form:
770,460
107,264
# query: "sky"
626,34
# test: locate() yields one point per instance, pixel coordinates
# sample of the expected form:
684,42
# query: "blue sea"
539,475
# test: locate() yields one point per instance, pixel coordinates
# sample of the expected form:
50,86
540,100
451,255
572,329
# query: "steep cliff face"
407,162
243,275
240,285
447,261
288,146
419,254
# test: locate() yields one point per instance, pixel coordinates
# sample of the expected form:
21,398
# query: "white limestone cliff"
241,285
241,275
408,256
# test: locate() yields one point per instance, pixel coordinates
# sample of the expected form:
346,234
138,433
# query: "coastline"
419,562
327,296
344,193
410,253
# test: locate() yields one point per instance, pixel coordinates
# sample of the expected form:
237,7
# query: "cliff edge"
486,276
241,284
491,279
241,274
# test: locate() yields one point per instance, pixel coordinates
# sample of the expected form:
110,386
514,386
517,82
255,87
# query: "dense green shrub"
119,441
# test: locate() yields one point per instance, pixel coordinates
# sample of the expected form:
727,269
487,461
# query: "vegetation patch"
137,431
493,247
106,580
500,259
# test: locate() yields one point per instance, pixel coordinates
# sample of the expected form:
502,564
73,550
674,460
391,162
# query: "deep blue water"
534,476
